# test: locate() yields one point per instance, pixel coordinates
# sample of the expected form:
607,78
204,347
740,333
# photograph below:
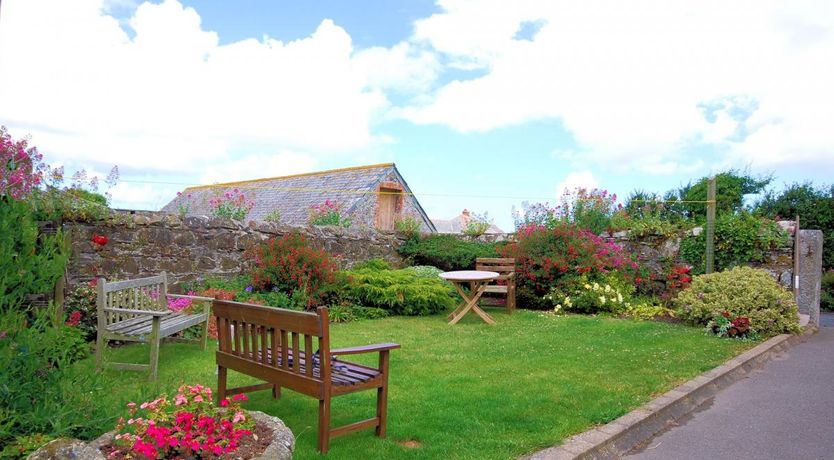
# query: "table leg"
462,305
471,303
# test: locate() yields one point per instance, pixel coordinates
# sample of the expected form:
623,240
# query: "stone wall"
146,243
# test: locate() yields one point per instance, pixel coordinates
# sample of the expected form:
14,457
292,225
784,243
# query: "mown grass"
473,390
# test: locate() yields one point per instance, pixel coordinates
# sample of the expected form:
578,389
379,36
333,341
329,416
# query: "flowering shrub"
231,205
21,166
582,295
725,325
288,264
587,209
478,225
186,426
743,291
81,301
328,213
183,204
677,279
548,257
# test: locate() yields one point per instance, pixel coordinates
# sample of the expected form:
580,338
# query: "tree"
730,188
814,206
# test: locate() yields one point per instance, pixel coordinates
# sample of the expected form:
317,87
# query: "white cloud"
626,79
575,180
267,165
169,97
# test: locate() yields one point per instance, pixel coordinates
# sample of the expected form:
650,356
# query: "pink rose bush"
188,425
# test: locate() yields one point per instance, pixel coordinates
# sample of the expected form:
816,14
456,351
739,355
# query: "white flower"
602,299
607,288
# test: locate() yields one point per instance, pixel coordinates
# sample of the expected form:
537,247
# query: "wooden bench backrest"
503,266
138,294
280,339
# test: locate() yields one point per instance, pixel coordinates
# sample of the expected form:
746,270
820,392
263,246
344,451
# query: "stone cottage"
373,196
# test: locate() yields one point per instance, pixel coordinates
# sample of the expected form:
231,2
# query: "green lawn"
474,390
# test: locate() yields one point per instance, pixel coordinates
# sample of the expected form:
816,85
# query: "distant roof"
293,195
458,224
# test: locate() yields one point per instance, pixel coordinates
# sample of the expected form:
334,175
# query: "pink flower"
240,397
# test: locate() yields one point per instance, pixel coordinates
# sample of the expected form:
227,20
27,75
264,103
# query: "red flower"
100,240
725,314
74,319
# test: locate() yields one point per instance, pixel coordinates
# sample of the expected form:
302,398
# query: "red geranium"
100,240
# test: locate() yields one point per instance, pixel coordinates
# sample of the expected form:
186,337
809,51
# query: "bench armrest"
139,312
192,297
365,349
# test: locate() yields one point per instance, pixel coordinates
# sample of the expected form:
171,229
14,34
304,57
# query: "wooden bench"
506,270
277,346
137,311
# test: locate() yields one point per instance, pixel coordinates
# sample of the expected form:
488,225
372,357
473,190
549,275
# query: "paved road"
785,410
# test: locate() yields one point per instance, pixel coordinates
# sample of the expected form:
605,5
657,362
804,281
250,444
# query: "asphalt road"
785,410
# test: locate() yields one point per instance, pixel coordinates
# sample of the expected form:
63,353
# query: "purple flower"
248,289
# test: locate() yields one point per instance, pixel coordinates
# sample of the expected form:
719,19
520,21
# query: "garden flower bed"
474,391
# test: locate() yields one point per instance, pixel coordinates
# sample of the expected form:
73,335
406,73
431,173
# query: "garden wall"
146,243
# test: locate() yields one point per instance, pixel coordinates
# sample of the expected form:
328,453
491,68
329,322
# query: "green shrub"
647,309
478,225
611,293
827,291
446,252
408,226
399,292
813,205
373,264
42,391
742,291
739,239
29,263
348,313
425,271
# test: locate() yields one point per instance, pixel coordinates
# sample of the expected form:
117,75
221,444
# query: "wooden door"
386,209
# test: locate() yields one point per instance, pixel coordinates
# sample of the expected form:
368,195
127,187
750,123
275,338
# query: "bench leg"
101,343
276,391
204,337
382,396
324,425
154,343
221,383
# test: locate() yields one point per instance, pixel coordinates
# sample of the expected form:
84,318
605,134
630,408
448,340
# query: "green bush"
815,208
446,252
612,293
742,291
425,271
29,263
827,291
399,292
42,392
739,239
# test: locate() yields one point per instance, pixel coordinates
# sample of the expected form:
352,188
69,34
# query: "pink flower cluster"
231,205
21,166
189,426
180,304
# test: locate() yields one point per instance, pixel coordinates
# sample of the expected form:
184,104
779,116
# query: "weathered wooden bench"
506,279
137,311
277,346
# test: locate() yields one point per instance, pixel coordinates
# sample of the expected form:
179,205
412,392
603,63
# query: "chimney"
465,212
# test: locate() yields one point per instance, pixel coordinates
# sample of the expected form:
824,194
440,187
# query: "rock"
283,441
141,220
696,231
67,449
621,235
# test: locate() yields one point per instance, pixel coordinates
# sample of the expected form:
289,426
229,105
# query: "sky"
482,104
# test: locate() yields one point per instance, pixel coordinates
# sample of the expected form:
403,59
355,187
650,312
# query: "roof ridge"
315,173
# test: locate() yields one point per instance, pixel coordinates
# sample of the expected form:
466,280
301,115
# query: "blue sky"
481,104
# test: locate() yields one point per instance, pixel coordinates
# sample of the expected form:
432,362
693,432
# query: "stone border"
620,436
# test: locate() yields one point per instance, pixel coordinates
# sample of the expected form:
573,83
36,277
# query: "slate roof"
292,196
459,223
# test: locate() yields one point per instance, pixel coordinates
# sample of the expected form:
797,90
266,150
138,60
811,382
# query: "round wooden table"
477,281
